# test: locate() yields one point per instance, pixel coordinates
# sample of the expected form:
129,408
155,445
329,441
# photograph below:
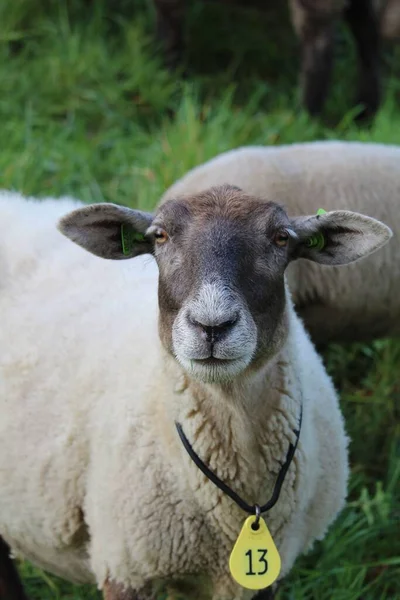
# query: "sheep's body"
94,482
354,302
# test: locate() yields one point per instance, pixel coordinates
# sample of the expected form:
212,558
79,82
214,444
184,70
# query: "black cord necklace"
252,510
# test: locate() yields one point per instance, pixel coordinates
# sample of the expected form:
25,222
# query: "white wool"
94,482
358,301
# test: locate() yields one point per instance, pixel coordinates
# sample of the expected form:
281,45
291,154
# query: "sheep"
370,22
98,365
356,302
314,22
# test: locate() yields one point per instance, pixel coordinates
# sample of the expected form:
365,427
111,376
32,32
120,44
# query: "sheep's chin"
214,370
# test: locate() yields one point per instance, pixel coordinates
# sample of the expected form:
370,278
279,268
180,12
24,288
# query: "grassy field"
87,109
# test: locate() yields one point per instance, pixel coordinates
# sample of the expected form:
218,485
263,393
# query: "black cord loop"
255,509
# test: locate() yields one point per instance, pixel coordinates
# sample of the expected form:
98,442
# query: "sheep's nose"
213,332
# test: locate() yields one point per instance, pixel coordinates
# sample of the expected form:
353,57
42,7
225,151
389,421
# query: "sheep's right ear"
338,237
108,230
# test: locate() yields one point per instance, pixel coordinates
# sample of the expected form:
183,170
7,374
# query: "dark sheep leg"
10,583
364,25
169,29
315,29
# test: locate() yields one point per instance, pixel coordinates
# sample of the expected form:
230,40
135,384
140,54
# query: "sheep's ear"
108,230
338,237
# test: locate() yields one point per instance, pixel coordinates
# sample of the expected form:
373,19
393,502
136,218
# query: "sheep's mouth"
213,361
214,370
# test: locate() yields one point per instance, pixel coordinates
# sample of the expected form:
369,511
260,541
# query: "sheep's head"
222,255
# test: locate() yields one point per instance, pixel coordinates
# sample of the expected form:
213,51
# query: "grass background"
87,109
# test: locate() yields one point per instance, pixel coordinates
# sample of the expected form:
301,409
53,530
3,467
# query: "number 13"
261,559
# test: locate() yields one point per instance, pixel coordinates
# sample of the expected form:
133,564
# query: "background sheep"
89,395
355,302
314,22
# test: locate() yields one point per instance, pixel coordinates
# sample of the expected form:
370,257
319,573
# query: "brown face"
222,256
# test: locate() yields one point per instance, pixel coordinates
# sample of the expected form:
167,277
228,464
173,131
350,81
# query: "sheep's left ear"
108,230
338,237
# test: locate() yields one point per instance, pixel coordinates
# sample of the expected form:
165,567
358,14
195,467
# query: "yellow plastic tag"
255,562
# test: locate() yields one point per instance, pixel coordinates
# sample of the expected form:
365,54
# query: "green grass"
87,109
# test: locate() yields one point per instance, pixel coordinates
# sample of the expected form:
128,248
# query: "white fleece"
359,301
94,482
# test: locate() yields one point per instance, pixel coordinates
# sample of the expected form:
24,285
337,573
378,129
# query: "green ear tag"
129,237
316,242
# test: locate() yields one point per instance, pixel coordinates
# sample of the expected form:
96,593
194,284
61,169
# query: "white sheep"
358,302
96,368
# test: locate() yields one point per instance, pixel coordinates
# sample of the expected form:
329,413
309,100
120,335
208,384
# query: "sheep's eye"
161,236
281,238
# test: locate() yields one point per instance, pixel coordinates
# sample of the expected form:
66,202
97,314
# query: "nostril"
213,331
226,325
